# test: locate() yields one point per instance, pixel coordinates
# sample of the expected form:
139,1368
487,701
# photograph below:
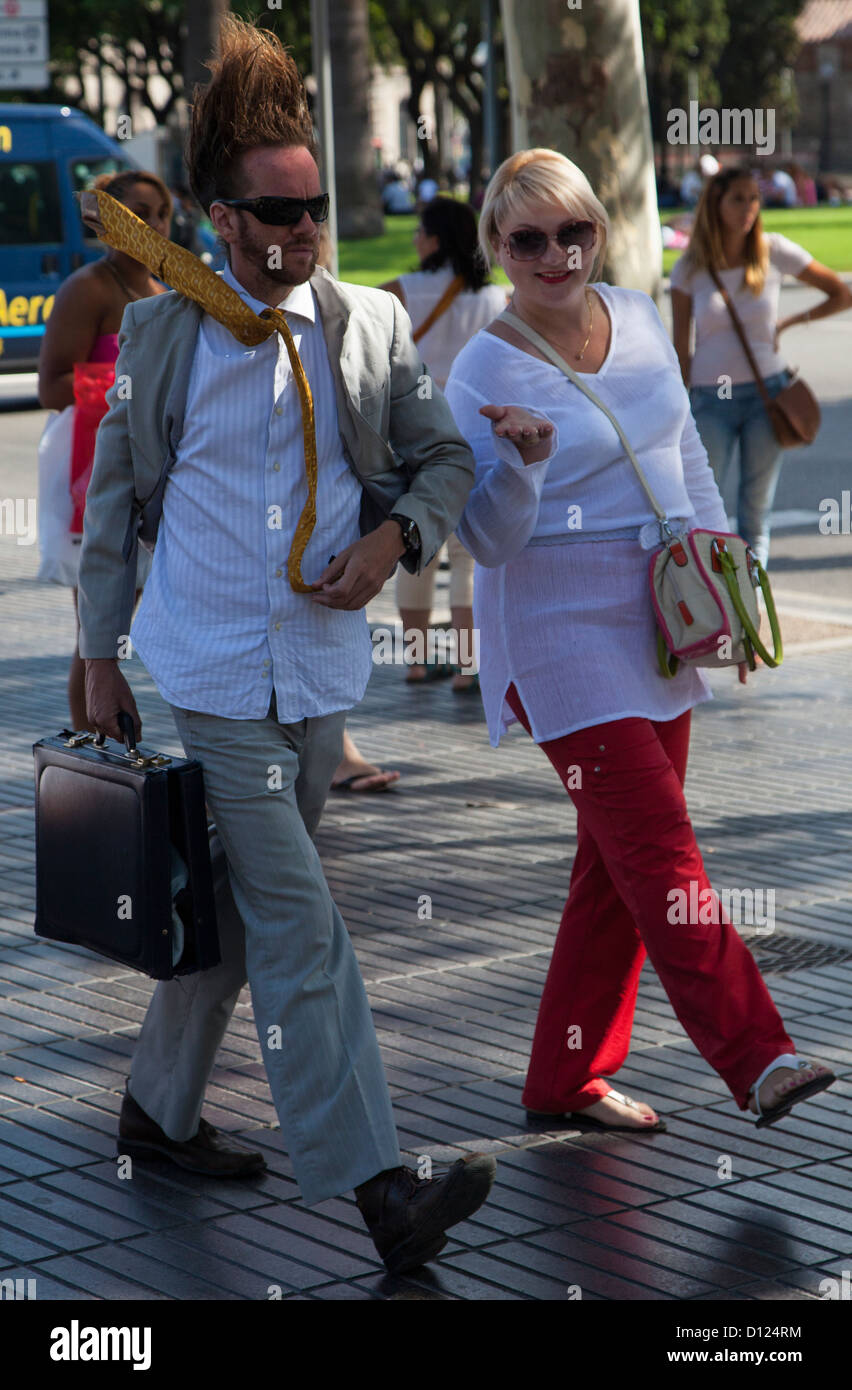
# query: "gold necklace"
580,355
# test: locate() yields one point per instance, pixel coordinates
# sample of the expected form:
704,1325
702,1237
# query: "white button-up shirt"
219,626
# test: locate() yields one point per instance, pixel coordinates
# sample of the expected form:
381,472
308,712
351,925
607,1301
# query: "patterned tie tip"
121,229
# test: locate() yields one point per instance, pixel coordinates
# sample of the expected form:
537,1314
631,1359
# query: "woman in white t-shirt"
726,402
453,279
562,533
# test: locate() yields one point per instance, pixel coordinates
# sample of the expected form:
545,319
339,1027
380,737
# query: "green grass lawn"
825,232
379,258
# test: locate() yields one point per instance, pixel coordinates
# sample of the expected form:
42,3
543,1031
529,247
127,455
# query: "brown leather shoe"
207,1152
408,1216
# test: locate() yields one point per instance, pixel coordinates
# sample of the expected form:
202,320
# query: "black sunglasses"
529,243
281,212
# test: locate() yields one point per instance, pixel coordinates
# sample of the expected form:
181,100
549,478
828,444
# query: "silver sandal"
776,1112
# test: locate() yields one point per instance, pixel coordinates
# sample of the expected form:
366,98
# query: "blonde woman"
556,522
728,238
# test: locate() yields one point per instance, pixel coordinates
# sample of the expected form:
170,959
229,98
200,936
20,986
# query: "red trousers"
635,843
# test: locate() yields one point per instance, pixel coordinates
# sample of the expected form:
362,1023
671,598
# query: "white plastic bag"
59,551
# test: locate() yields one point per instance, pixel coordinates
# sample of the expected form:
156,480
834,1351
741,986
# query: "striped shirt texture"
219,627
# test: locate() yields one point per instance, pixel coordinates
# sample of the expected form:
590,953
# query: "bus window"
29,205
83,174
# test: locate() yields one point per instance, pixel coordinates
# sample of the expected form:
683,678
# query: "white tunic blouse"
469,311
565,616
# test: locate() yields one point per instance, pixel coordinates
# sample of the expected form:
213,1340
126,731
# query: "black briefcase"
122,853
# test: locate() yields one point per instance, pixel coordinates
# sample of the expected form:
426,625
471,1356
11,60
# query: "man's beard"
258,254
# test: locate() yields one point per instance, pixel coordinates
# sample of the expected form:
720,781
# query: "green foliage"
761,43
148,32
738,50
677,36
292,24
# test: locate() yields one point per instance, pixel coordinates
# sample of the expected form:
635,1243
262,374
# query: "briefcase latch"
76,740
135,757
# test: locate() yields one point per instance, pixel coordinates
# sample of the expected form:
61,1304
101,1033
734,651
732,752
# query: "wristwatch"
410,533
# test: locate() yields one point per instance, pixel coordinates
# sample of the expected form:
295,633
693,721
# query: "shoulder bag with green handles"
704,584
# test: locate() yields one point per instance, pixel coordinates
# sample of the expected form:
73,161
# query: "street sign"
23,45
23,77
23,41
23,9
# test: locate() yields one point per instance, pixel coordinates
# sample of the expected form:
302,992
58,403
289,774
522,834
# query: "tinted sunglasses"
281,212
529,243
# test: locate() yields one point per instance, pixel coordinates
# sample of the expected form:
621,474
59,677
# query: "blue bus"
47,154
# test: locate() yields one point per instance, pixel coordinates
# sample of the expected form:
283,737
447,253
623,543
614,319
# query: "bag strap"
741,334
544,346
455,287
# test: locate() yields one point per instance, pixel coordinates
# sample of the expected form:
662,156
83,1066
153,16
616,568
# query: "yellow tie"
124,231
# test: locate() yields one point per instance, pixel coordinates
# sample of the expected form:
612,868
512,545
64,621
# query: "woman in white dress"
562,534
448,300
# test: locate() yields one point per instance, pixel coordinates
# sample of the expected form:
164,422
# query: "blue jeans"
722,424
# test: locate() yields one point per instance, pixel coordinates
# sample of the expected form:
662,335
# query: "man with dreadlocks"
253,627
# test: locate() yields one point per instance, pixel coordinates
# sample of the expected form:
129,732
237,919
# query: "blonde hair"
539,175
706,248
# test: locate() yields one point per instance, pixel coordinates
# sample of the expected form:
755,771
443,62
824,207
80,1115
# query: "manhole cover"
784,954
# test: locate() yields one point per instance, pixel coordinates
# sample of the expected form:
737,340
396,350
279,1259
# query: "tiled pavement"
488,836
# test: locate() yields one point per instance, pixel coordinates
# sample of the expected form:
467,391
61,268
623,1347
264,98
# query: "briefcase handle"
128,733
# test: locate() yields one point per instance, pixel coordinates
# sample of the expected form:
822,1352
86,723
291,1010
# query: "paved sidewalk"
488,836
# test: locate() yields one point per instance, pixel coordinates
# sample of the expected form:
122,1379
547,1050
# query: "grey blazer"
396,429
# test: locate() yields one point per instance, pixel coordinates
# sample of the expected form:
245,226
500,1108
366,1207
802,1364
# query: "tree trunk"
577,84
359,205
476,135
203,18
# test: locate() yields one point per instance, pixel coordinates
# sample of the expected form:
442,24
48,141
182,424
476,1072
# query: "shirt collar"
299,301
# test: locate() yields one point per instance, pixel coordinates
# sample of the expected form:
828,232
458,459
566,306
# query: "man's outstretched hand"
107,693
360,571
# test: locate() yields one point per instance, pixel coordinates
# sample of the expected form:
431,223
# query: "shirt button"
277,627
597,769
278,574
276,467
601,746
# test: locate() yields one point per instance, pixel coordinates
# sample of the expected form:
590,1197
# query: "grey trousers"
266,784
